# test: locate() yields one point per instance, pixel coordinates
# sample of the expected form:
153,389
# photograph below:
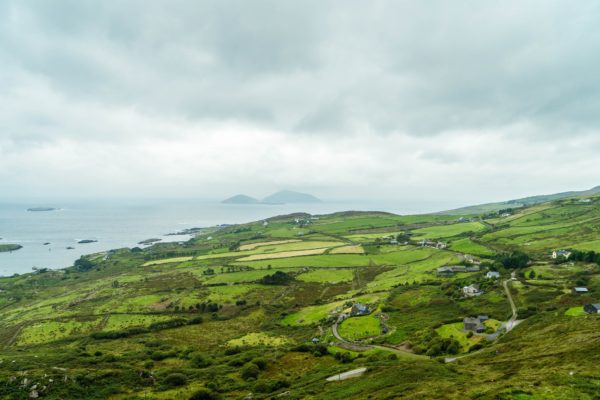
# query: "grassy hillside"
268,308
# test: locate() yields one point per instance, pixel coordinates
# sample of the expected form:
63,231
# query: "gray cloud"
424,76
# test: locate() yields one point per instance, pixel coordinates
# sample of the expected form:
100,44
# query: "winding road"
364,347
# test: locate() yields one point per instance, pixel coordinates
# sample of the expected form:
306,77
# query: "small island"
9,247
85,241
240,199
41,209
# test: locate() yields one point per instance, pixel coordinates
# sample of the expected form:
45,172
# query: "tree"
514,260
278,278
83,264
532,274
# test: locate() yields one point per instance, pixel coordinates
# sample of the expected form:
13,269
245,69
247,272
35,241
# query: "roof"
580,289
596,306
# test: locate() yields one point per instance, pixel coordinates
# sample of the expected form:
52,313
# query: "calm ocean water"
124,224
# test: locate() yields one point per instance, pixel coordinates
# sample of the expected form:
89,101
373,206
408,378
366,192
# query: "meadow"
250,308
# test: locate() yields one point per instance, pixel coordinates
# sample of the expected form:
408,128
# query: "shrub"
250,371
261,363
175,379
203,394
232,350
199,361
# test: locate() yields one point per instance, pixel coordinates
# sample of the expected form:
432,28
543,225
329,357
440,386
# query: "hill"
240,199
277,306
525,201
290,197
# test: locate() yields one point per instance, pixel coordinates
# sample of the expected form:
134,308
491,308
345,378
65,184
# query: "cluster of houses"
475,324
450,270
431,243
390,240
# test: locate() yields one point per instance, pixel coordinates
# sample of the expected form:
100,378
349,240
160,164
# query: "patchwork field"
249,310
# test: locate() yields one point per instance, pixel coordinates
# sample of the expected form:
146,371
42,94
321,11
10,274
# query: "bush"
268,386
232,350
175,379
261,363
203,394
250,371
199,361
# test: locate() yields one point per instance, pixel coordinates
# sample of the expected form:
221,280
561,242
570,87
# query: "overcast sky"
470,101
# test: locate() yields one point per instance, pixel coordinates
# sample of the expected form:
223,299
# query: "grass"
259,339
285,254
328,275
252,246
575,311
48,331
46,319
353,249
468,246
167,261
455,331
357,328
445,231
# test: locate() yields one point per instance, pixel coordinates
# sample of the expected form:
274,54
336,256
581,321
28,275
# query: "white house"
561,253
492,275
472,290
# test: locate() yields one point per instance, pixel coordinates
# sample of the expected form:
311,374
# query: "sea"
50,239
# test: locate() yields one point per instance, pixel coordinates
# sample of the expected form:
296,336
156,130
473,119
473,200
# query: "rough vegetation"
251,309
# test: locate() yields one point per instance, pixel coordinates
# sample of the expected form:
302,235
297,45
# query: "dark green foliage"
250,371
514,260
83,264
204,394
586,256
278,278
200,361
175,379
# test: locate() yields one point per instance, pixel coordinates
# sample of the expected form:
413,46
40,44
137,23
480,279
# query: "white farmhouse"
561,253
471,291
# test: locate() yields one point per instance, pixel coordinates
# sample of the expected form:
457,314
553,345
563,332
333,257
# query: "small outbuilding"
474,324
592,308
580,290
359,309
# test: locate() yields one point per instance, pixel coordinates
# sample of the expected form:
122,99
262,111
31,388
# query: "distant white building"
471,291
585,200
492,275
561,253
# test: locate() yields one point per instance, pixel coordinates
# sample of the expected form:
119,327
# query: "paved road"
509,325
347,375
512,322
